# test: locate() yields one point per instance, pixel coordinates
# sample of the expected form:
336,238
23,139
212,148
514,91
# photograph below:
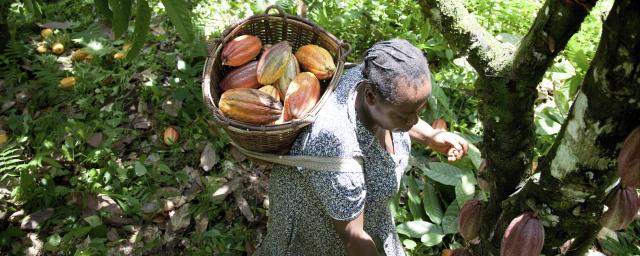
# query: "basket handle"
346,49
277,7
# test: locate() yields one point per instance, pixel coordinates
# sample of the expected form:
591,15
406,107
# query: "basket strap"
330,164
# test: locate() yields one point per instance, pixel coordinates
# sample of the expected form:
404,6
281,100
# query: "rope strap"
330,164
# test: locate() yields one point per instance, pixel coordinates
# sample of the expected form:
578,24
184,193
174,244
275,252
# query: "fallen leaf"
171,107
142,122
243,206
36,245
180,218
95,139
33,221
202,222
208,158
226,189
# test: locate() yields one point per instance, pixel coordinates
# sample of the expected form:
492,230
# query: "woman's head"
398,83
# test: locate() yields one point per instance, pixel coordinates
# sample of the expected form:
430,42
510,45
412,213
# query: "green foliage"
143,19
121,15
180,16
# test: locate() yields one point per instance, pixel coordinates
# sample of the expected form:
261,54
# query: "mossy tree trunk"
4,26
582,162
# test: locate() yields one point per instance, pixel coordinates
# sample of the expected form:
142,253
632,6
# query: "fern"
627,243
10,160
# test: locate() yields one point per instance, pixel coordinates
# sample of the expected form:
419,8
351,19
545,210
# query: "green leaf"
121,16
418,228
102,7
409,244
474,155
33,7
180,16
464,191
414,198
431,239
432,203
140,169
54,240
93,220
140,30
447,174
450,219
76,233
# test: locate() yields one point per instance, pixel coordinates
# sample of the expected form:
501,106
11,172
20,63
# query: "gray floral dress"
303,202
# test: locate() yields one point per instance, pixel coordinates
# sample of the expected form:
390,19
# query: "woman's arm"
357,241
452,145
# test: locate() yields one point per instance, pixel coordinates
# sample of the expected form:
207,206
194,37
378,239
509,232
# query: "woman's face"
402,114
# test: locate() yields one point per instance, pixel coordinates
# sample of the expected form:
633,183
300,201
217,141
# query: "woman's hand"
450,144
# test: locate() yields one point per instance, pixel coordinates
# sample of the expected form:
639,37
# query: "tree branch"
487,55
583,161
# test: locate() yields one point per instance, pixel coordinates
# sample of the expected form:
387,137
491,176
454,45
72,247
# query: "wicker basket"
270,29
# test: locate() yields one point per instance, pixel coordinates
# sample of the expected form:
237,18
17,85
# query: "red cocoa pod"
629,160
241,50
622,208
524,236
241,77
470,219
439,124
250,105
302,95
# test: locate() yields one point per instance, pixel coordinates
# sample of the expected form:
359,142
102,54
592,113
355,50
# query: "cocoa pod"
241,50
171,136
241,77
524,236
629,160
273,62
302,95
269,89
249,105
439,124
57,48
460,252
316,60
622,208
293,69
470,219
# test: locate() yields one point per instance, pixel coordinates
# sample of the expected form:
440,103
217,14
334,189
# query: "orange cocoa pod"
171,136
241,50
269,89
629,160
302,95
439,124
316,60
250,106
241,77
273,63
293,69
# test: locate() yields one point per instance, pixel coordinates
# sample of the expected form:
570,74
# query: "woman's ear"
370,96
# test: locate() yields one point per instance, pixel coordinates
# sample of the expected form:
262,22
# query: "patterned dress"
303,202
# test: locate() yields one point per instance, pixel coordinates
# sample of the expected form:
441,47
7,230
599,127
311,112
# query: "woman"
373,115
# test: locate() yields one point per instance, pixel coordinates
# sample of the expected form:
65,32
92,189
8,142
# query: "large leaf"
121,16
464,191
431,239
102,7
450,219
143,19
447,174
33,7
418,228
414,198
432,203
180,16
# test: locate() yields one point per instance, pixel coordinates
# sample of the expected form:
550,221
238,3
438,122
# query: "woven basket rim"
343,50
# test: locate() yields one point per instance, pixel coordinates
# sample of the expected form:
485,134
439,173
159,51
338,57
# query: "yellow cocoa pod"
119,56
67,83
126,46
80,54
47,32
42,49
3,137
57,48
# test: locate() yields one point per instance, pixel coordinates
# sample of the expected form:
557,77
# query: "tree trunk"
4,26
574,175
